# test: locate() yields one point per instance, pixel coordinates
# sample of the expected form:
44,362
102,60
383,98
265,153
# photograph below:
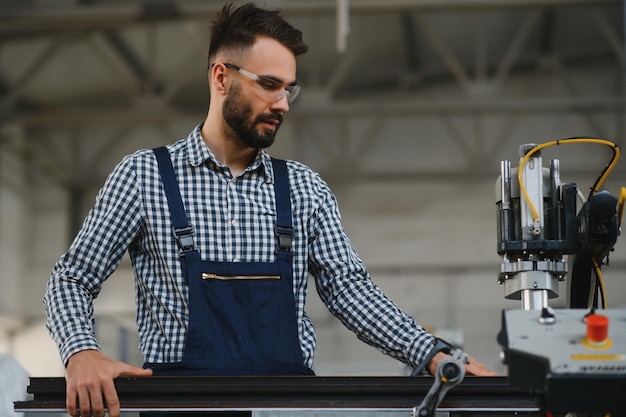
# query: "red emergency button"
597,336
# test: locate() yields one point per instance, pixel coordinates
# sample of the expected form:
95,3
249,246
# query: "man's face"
255,102
254,129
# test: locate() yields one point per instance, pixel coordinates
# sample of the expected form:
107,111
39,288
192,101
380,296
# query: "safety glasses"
272,88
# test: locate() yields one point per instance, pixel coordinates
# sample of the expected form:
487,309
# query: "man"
222,239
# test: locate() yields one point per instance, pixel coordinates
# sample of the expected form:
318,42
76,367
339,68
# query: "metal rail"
343,395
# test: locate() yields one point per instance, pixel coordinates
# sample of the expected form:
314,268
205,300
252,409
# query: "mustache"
277,117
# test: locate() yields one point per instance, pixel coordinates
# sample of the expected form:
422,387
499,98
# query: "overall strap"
183,232
284,225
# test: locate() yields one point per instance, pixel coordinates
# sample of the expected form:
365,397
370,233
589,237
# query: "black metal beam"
126,53
306,392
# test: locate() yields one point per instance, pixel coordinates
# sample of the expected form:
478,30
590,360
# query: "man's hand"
89,378
472,368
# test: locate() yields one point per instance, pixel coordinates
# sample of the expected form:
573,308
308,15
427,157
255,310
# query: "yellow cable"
596,267
564,142
620,205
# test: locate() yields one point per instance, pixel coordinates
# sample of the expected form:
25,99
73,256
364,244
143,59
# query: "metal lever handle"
450,372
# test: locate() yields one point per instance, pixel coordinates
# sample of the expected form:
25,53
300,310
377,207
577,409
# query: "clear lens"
294,90
270,85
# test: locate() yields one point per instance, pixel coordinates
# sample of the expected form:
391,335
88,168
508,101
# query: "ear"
217,79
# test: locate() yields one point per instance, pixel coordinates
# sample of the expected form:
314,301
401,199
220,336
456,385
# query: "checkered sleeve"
94,254
348,291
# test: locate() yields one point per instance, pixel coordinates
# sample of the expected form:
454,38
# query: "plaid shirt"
233,220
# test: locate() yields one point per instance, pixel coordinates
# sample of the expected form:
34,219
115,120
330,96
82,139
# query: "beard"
238,115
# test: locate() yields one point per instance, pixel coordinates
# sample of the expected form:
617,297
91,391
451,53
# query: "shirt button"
231,184
233,222
235,259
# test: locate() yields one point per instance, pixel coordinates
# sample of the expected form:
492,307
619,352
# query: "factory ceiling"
68,65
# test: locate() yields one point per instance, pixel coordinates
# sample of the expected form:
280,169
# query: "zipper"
206,275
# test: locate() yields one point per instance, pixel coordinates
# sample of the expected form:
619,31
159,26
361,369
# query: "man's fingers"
92,400
71,402
476,368
84,402
97,405
130,370
111,398
108,386
89,376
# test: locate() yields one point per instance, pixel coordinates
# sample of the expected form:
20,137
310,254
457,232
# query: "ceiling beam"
126,53
336,110
40,17
35,68
445,52
517,44
459,177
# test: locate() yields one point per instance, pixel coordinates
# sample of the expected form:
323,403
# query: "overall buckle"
285,237
184,239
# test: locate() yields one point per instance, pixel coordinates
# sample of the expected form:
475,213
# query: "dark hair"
238,28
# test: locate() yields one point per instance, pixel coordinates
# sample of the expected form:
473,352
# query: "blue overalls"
242,315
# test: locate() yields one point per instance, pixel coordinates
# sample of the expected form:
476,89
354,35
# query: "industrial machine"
573,358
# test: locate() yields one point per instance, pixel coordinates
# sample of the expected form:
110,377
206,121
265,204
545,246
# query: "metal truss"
124,40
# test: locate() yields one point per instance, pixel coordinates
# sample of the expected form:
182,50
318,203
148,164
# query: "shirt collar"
199,154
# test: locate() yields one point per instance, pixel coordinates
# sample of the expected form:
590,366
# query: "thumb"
130,370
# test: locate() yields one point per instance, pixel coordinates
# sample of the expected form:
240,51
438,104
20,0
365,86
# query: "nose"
282,104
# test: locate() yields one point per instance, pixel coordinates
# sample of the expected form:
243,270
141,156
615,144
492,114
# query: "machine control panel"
574,341
574,360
